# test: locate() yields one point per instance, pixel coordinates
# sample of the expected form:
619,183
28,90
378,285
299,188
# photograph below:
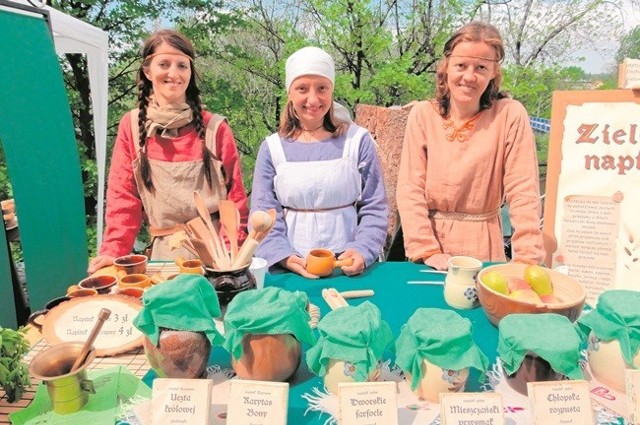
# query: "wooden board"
73,320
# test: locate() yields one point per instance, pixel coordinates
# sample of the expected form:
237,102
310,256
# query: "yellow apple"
526,295
539,279
495,280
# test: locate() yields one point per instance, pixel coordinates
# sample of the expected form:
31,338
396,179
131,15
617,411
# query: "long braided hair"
145,89
475,32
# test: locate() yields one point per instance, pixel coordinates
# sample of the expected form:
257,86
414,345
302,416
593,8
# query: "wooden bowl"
496,305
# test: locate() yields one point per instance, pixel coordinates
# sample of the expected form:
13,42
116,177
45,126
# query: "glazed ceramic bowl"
341,371
496,305
607,364
436,380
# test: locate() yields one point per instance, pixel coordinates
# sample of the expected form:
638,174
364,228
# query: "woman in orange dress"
465,153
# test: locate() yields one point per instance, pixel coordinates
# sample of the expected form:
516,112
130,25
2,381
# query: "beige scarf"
167,119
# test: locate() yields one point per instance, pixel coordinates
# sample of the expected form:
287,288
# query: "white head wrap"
312,60
309,61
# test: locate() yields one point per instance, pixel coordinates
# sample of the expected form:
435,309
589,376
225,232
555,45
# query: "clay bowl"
268,357
496,305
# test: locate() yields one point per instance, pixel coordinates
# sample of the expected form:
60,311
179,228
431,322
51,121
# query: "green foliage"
14,374
629,45
385,54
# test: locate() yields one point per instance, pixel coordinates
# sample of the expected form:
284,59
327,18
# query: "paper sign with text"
471,408
368,403
181,401
633,395
560,403
592,201
257,402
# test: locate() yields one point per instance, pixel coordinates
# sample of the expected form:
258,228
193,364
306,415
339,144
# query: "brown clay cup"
131,264
102,283
74,291
136,280
193,266
132,292
321,262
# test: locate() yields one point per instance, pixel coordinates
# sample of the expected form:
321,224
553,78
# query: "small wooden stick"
333,298
102,316
357,293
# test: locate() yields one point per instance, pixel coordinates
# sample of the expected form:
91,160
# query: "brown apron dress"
171,203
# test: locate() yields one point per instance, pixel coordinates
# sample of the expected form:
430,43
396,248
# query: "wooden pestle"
102,316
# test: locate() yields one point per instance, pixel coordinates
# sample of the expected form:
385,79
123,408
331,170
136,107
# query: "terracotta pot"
607,364
532,369
179,354
229,283
268,357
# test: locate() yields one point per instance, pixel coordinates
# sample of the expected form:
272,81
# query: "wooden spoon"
260,221
102,316
229,220
216,249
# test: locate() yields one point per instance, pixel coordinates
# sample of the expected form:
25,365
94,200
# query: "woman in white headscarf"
321,173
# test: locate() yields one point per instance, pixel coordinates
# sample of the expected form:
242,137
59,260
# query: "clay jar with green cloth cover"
538,347
614,336
177,319
352,341
435,350
263,331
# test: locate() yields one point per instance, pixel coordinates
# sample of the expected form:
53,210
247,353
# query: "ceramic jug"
460,284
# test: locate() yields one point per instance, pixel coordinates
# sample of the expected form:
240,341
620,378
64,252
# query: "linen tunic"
473,177
125,213
372,208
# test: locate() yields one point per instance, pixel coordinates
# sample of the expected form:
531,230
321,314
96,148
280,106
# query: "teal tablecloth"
397,301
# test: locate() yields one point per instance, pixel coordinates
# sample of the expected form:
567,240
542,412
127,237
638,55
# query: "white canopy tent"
72,35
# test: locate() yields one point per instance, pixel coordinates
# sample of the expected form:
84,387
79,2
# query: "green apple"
539,279
495,280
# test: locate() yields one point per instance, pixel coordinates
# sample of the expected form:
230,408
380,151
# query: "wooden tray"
73,320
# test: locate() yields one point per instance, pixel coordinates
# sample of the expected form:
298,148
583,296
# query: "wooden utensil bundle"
206,240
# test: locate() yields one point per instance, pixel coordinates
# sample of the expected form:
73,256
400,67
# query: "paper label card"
471,408
560,403
368,403
631,73
633,395
181,401
257,402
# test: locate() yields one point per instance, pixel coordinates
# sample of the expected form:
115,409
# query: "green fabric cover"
187,302
353,334
551,336
267,311
443,338
617,316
